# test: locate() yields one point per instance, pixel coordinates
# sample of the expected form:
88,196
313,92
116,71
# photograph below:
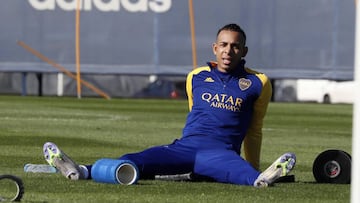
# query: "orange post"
192,30
77,48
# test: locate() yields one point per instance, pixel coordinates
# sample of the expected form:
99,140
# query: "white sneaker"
58,159
281,167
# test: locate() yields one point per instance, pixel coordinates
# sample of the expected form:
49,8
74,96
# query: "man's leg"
228,167
225,166
162,160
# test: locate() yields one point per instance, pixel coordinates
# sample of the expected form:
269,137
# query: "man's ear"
214,47
245,52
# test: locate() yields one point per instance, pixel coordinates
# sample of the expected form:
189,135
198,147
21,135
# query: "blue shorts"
211,159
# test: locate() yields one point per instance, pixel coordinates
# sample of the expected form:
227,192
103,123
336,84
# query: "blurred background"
143,48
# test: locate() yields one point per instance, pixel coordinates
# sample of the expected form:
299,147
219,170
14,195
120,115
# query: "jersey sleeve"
253,138
189,89
189,83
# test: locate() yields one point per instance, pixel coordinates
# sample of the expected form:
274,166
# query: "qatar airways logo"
157,6
223,101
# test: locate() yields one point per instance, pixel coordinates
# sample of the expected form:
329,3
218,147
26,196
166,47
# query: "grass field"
90,128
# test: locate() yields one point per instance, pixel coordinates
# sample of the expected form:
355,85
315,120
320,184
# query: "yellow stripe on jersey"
189,83
253,138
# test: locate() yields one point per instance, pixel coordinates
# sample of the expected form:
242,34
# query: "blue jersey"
227,108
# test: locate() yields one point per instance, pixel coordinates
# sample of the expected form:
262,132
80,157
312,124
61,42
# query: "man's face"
229,48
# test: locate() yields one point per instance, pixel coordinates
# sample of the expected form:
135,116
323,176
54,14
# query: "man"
227,103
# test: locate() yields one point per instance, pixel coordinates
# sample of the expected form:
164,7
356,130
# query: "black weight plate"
347,155
332,166
20,188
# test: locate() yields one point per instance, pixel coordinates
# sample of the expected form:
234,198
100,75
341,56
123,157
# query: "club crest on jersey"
244,83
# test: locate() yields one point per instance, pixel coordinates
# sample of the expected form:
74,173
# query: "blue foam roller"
115,171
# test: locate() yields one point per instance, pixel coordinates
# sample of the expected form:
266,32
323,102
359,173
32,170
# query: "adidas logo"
209,79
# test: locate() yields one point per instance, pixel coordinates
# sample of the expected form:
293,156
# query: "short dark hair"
232,27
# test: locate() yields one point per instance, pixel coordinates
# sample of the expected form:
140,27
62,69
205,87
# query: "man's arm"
253,138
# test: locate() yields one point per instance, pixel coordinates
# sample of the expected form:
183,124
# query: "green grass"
91,128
